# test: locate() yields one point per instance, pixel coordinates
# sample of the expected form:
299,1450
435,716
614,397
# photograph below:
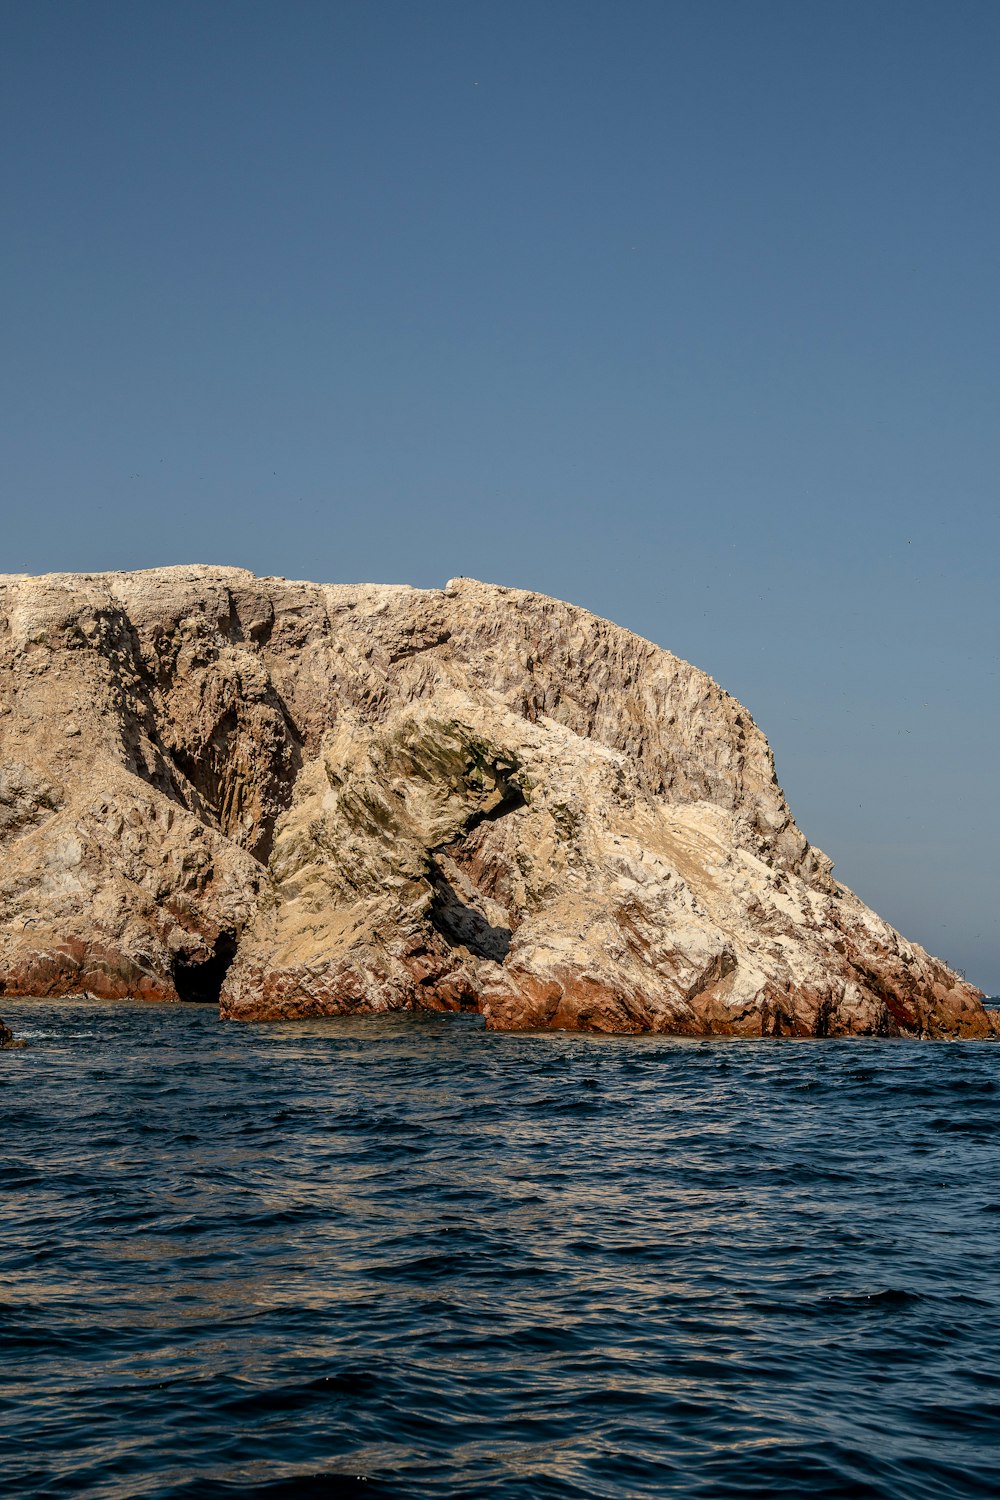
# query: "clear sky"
687,313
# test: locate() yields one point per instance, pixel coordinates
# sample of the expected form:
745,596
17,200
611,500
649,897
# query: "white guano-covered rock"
305,800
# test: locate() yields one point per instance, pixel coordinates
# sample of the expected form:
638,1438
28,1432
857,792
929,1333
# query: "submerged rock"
8,1041
303,800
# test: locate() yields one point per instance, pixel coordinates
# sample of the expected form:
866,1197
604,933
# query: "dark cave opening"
199,981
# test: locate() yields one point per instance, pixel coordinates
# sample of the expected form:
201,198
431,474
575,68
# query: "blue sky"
685,312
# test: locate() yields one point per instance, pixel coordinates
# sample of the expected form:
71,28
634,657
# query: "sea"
404,1256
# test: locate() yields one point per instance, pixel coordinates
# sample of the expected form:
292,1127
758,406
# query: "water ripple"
401,1257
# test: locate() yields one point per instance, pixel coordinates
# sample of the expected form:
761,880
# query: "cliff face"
319,799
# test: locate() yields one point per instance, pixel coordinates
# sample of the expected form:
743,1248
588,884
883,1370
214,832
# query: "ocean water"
406,1257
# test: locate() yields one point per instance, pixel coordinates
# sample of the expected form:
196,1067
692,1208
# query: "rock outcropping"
306,799
8,1041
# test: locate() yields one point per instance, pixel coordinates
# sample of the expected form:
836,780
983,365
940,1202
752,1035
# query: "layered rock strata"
309,800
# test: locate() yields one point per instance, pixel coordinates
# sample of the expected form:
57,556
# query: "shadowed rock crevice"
200,981
512,799
460,911
242,775
454,914
201,718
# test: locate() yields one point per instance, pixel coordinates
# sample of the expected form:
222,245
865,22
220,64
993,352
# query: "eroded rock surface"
308,799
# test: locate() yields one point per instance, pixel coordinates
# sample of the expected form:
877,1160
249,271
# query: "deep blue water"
405,1257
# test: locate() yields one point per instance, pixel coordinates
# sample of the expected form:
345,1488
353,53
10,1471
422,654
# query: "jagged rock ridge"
308,799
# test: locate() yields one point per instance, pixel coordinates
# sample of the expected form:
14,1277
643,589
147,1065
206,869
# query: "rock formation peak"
308,799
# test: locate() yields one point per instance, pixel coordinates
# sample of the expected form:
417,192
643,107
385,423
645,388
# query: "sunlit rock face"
308,800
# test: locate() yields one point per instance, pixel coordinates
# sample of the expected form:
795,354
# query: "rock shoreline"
303,799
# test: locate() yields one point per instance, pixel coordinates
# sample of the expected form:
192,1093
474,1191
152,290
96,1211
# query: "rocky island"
301,799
